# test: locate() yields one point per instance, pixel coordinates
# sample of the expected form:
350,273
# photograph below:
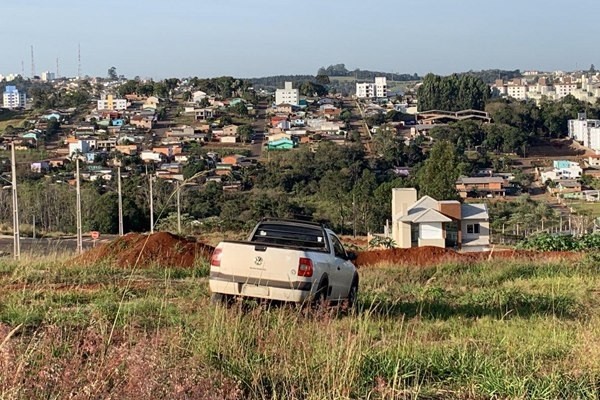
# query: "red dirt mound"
429,255
160,248
426,255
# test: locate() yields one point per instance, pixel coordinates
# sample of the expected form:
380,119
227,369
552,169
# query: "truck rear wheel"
220,298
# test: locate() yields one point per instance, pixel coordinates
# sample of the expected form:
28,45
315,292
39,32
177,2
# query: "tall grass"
494,329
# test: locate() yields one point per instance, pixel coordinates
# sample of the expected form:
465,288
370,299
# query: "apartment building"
586,131
13,98
287,95
377,89
109,102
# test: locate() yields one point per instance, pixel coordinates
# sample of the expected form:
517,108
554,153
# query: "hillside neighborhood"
224,131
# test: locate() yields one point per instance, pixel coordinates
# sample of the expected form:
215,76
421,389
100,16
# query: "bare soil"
138,250
428,255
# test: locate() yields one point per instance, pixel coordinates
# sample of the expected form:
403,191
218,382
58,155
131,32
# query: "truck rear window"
290,235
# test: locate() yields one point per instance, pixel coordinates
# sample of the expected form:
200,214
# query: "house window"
473,228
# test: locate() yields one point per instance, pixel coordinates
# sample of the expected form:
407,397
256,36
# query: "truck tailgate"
261,265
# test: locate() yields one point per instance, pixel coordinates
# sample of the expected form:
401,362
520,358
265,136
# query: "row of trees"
452,93
549,119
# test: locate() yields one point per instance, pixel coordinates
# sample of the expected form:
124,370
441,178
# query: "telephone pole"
177,188
15,200
120,201
151,201
79,232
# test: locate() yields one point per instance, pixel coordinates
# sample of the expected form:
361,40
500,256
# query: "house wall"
402,198
401,234
483,237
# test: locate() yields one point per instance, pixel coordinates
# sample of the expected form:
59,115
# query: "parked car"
285,260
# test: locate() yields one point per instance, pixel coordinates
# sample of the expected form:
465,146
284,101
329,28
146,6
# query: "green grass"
589,209
501,329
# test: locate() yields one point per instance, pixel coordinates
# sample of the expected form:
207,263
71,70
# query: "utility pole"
79,232
16,232
151,201
120,201
177,188
34,226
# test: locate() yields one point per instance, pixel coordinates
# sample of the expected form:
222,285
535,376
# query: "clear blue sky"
246,38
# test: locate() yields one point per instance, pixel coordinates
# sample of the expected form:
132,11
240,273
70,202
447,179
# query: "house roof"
479,179
426,215
474,211
569,183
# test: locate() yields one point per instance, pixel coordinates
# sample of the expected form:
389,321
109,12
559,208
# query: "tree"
239,109
452,93
245,132
322,79
112,74
438,176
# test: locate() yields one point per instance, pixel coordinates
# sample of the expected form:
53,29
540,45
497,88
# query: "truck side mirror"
351,255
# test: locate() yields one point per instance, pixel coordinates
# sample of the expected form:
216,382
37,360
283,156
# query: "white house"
198,96
82,146
563,169
287,95
429,222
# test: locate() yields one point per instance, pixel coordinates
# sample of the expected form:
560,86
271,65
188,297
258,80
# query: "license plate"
253,290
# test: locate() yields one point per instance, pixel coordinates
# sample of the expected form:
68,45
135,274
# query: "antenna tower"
78,60
32,63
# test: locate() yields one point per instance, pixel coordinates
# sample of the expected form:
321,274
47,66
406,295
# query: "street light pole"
79,230
120,201
15,201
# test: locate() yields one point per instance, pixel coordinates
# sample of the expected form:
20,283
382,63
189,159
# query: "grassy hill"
503,328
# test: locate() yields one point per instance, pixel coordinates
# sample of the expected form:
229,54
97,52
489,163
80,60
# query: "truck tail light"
215,260
305,267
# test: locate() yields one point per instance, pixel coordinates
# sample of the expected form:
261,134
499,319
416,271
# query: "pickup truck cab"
285,260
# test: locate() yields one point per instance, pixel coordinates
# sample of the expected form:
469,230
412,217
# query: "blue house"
281,144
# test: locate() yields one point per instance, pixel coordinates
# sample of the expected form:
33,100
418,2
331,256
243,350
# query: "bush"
549,242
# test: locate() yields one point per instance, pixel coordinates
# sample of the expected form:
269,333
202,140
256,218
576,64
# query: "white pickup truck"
285,260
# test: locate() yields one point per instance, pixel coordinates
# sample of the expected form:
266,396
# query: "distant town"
304,145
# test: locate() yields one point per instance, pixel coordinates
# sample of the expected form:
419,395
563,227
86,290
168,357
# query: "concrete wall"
402,199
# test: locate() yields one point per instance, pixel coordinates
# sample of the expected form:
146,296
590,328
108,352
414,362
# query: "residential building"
594,161
378,89
40,166
428,222
586,131
109,102
564,89
13,98
198,96
280,144
230,130
82,145
48,76
287,95
562,169
484,186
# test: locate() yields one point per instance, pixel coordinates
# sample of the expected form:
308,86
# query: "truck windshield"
291,235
